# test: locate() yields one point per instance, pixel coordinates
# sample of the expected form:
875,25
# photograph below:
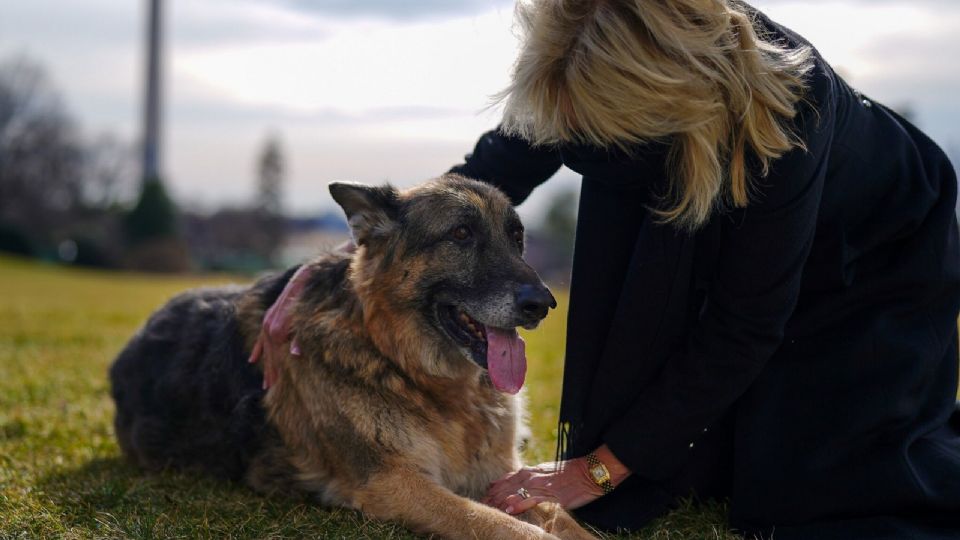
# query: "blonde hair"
694,72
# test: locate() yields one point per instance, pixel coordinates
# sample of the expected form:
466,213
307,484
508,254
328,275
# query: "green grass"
61,473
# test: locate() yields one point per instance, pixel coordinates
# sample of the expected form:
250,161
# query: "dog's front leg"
415,500
556,521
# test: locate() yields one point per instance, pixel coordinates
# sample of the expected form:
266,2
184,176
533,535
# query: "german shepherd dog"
403,401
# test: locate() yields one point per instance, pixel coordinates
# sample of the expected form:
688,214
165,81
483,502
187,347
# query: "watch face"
598,473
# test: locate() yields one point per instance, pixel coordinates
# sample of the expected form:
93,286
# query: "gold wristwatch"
599,473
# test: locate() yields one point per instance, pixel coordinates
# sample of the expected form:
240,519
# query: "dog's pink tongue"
506,359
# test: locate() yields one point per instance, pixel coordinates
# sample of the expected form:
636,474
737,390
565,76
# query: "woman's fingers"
505,481
268,350
515,504
502,490
276,320
506,477
267,372
274,343
522,475
257,350
518,492
276,323
496,496
270,366
546,467
506,484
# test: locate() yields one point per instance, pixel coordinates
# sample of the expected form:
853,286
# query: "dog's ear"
371,210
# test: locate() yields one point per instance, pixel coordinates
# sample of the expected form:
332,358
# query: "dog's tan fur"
375,414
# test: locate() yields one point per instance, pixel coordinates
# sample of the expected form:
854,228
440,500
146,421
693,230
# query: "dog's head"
444,261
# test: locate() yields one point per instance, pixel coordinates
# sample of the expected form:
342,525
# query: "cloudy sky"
375,90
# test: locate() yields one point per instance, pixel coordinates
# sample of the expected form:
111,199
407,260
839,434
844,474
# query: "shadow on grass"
111,498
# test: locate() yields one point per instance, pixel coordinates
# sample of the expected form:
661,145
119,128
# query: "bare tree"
55,189
41,157
110,173
560,224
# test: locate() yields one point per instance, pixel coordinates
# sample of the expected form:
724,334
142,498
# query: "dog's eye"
461,233
518,237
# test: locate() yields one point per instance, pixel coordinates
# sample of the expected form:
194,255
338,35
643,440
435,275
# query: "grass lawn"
61,473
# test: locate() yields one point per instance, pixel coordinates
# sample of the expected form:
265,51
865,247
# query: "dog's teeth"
474,327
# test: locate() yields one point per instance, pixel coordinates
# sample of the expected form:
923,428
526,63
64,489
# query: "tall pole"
151,109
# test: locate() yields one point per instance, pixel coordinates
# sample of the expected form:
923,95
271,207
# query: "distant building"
308,237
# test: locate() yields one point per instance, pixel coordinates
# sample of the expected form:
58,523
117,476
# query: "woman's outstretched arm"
510,163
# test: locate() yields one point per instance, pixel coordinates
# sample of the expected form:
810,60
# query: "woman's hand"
566,482
272,343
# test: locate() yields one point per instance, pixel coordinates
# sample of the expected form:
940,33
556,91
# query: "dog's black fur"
392,405
185,393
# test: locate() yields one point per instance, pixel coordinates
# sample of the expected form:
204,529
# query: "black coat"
799,355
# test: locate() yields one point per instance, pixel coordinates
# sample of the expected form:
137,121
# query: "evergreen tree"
154,216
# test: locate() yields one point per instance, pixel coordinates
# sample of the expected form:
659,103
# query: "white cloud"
900,53
235,22
362,65
376,89
848,33
393,9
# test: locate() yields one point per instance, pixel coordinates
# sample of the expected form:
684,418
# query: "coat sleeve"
510,163
752,295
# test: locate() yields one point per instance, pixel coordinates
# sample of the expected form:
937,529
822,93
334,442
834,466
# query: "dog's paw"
538,533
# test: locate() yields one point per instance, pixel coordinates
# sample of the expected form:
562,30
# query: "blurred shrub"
59,192
13,240
158,255
153,217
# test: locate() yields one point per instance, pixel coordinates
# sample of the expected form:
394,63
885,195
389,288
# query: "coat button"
691,445
866,103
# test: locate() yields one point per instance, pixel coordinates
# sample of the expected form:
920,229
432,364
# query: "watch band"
599,473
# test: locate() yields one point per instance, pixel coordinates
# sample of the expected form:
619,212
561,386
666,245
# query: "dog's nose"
534,301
